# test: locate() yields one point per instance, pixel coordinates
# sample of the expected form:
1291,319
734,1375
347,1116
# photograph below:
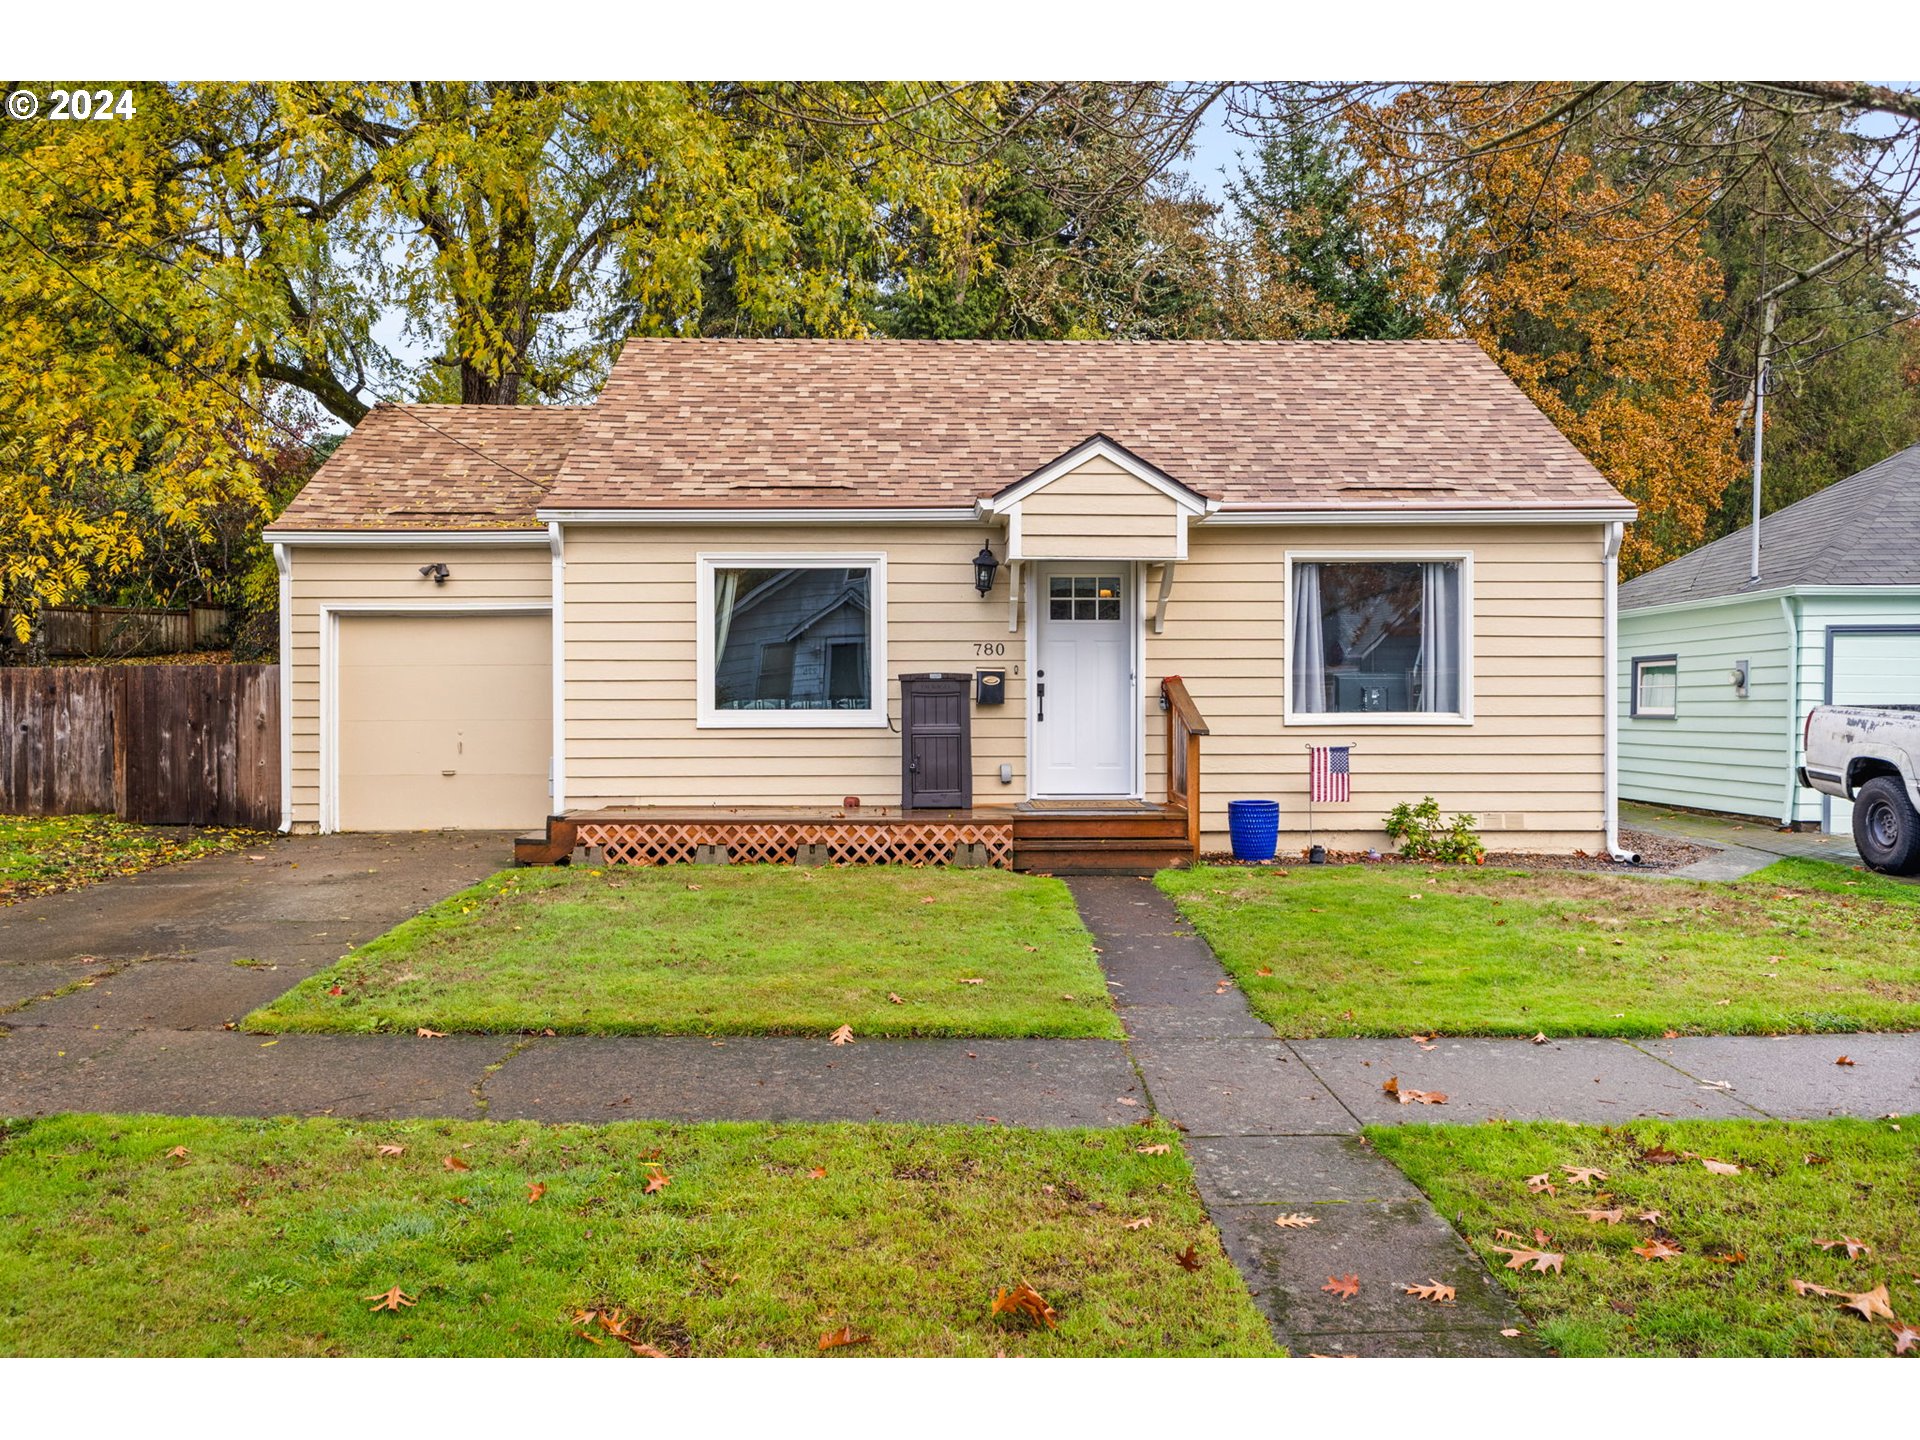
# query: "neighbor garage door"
1870,667
445,721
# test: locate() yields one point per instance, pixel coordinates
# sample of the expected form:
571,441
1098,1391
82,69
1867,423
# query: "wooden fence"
155,744
126,630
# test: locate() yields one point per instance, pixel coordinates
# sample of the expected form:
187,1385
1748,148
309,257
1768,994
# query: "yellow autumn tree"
1592,295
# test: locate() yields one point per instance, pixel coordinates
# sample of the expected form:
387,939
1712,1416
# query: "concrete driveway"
164,943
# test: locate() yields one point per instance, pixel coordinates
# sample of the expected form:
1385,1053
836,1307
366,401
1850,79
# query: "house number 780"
990,647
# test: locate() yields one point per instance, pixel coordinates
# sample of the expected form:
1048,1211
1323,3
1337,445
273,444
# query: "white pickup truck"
1870,754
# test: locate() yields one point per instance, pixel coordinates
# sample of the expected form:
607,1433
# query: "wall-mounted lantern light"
983,567
437,572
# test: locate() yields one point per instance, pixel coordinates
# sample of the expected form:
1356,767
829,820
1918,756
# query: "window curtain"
1309,642
1440,638
726,589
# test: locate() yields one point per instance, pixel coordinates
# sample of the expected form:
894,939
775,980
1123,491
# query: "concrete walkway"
1741,846
1269,1138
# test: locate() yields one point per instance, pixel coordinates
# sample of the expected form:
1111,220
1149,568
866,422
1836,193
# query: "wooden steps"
553,848
1089,842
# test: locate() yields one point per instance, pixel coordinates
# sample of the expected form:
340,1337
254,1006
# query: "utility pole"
1762,375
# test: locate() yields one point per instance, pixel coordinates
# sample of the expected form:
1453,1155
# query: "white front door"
1084,707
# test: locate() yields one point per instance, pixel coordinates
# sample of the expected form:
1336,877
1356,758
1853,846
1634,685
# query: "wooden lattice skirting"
848,842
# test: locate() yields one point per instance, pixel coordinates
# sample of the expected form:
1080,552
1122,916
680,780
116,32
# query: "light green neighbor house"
1718,668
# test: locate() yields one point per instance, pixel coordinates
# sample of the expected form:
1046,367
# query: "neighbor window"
789,643
1656,686
1378,637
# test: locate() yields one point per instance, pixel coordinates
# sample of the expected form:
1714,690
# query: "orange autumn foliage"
1593,298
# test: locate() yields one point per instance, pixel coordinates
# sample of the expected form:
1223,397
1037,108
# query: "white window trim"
1638,709
709,718
1342,719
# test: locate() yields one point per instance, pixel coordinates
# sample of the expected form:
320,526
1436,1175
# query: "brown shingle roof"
835,423
707,424
438,467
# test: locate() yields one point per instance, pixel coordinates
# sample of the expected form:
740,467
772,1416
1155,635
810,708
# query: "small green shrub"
1422,836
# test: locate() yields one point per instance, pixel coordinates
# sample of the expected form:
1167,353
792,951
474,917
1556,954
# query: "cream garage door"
445,721
1871,666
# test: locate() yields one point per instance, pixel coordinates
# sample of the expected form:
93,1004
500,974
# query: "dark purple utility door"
936,742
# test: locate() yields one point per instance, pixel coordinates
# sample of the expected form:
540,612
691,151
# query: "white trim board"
708,718
1340,719
283,562
329,718
1382,515
406,537
741,515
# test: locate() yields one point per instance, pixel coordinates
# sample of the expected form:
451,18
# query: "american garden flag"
1332,774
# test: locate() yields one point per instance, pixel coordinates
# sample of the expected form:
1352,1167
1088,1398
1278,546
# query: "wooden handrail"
1184,729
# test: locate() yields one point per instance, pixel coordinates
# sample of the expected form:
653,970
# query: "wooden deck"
1128,837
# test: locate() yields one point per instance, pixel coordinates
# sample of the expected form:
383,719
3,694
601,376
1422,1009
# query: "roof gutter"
1387,514
406,537
748,515
1610,702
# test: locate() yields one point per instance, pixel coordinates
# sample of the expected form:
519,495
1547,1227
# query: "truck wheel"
1886,828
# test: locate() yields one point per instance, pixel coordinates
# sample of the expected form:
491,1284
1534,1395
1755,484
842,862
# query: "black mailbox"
990,687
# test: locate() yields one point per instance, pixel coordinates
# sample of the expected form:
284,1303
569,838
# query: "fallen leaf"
1511,1334
1296,1222
657,1181
1905,1337
1524,1258
1542,1184
1023,1299
843,1036
1433,1290
454,1162
892,999
392,1150
1345,1286
1657,1249
1844,1060
973,982
1423,1097
179,1152
1813,1159
1151,1149
1720,1167
818,1172
1144,1222
1582,1175
1602,1217
1855,1248
640,1347
1650,1217
1669,1034
1539,1037
845,1335
535,1190
425,1034
1732,1257
1123,1100
1264,971
1659,1155
1807,1287
390,1299
336,990
1869,1303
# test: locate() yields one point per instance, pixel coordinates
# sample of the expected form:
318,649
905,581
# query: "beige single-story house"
700,594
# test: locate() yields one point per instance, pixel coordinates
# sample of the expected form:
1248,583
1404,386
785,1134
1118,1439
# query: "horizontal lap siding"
1098,512
1531,761
630,672
1719,752
385,574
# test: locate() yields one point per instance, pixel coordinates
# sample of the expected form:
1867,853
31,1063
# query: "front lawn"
724,951
1743,1239
42,854
158,1236
1397,949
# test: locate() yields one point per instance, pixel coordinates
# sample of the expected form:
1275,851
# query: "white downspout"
283,562
1610,706
557,762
